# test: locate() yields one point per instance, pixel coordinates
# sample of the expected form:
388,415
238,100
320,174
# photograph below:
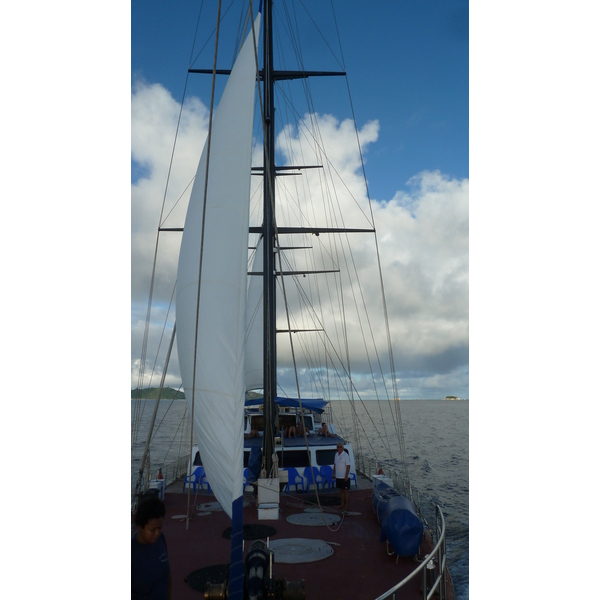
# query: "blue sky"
408,72
407,63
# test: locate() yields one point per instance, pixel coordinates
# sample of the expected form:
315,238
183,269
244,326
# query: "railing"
430,586
175,470
368,467
171,472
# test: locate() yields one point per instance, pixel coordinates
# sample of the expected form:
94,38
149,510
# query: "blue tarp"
400,523
316,404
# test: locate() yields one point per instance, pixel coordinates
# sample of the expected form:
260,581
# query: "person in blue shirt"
150,569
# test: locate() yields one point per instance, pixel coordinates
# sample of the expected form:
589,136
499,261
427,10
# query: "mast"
269,246
268,76
268,231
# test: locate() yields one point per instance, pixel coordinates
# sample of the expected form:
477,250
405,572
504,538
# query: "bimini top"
315,404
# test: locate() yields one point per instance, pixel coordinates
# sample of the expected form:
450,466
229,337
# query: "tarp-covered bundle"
400,523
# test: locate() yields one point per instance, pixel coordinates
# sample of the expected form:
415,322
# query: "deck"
359,567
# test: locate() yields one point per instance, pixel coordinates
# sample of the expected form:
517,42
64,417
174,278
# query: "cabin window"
294,458
325,457
286,420
308,422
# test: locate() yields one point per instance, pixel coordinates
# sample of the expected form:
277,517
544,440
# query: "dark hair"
149,508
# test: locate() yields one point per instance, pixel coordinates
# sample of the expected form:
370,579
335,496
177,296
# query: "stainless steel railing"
431,584
435,561
171,472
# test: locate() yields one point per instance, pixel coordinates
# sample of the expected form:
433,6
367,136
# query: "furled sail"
214,250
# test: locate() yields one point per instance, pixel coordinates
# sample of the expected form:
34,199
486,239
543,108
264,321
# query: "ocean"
436,434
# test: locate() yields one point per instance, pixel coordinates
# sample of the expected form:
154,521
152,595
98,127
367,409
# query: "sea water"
436,434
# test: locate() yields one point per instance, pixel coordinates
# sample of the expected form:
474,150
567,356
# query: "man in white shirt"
341,470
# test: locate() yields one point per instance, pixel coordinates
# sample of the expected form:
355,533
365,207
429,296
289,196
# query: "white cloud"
422,233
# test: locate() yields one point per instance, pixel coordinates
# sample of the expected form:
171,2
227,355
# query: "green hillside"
152,394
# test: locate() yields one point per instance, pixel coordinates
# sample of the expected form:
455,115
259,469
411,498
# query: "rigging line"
208,143
155,358
187,77
315,350
343,65
180,426
342,365
285,303
141,371
322,36
370,329
308,96
353,287
179,199
187,424
302,218
329,163
313,120
160,223
162,334
209,37
398,422
139,414
146,454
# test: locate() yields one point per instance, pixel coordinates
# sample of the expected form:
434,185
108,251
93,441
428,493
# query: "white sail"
254,324
211,353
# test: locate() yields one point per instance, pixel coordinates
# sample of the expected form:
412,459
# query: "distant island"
451,398
152,394
171,394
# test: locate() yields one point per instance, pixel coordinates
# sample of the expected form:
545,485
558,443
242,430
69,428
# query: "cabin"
291,451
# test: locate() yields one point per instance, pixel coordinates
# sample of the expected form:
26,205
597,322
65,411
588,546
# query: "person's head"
340,448
149,519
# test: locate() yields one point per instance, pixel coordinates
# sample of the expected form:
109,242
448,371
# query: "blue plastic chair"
312,478
194,478
352,477
246,482
294,478
204,482
326,472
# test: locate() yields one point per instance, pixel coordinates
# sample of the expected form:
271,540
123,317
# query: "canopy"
315,404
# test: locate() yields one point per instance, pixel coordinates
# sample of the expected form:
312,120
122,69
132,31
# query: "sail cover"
211,321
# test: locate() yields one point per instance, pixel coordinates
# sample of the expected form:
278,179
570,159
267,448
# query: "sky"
408,73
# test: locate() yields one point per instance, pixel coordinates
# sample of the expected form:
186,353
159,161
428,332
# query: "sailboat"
234,306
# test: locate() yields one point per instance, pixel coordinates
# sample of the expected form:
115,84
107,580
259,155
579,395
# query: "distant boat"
235,283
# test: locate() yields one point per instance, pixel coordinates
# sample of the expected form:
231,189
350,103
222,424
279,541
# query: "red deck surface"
359,567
